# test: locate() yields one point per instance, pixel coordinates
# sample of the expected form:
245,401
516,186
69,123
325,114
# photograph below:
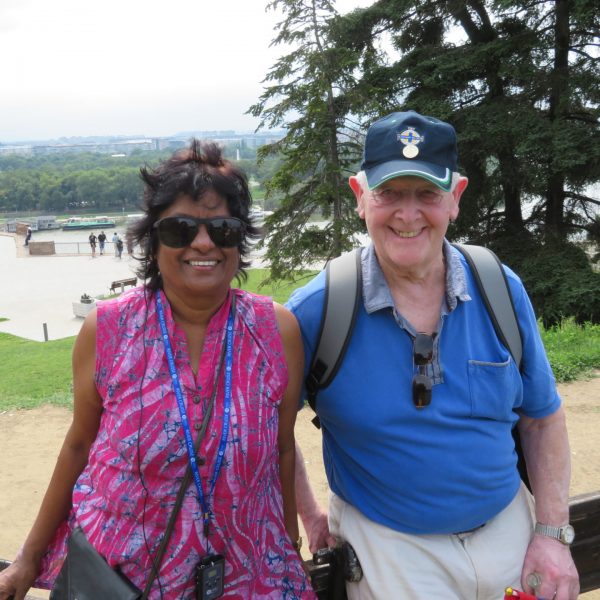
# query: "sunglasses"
422,384
179,232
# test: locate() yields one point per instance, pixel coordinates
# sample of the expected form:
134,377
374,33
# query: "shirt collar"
377,295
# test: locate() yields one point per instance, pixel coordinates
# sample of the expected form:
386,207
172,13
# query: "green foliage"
66,183
557,275
71,182
320,148
519,81
572,350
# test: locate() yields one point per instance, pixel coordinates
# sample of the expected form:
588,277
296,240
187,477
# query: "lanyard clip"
206,524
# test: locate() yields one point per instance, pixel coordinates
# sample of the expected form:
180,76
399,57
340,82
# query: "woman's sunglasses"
179,232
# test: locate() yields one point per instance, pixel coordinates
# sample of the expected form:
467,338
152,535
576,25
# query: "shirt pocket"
495,390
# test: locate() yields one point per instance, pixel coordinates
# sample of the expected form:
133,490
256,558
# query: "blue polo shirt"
452,465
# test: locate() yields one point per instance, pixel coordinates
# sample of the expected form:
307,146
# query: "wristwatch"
564,534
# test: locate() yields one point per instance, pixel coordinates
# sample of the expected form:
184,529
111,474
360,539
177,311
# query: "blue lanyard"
182,411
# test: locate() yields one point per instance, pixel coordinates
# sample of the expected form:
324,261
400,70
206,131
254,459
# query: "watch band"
564,534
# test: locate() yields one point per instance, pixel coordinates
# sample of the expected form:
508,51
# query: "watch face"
567,534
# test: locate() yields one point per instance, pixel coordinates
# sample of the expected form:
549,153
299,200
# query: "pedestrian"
119,245
101,241
115,238
28,235
417,423
93,239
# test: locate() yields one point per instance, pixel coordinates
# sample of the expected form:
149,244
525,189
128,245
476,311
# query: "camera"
210,573
331,568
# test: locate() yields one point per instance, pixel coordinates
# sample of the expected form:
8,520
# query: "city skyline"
134,68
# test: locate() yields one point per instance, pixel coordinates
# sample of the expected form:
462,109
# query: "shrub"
558,277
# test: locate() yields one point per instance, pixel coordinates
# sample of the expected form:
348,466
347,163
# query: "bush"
558,277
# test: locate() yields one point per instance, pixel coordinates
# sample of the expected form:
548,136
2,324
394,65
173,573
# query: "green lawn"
34,373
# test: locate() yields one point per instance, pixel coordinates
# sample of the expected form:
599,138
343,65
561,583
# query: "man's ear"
459,188
358,194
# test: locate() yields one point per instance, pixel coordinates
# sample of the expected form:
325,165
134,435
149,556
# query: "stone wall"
41,248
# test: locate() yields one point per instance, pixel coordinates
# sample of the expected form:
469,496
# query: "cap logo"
411,139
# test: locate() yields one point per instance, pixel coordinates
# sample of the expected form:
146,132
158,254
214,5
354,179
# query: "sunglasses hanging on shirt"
422,384
179,232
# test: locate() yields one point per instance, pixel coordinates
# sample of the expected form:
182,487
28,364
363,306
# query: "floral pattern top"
125,495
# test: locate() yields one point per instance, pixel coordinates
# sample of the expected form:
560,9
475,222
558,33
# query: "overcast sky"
132,67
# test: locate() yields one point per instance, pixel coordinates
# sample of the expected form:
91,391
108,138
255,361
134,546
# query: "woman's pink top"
125,495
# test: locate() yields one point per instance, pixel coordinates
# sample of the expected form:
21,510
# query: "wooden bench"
122,283
585,517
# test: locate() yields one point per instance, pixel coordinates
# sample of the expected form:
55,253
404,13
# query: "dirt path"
30,441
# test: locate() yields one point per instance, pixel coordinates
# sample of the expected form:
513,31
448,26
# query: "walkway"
41,289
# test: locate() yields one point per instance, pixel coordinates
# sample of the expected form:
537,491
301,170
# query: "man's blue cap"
409,144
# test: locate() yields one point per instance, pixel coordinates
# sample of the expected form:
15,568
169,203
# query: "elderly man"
425,486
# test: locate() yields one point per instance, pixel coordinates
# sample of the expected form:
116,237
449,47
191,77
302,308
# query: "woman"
235,364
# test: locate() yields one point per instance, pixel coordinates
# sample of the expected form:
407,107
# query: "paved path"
41,289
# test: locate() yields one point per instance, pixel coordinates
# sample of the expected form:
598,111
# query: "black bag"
85,575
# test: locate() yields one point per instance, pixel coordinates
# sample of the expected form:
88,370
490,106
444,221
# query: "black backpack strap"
342,299
493,287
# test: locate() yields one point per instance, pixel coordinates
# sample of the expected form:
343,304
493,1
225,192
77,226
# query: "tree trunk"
558,107
334,177
332,173
506,154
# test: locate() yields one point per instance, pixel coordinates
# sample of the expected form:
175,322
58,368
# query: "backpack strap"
342,299
493,287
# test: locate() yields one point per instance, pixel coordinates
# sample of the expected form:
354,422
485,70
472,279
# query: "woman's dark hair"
190,172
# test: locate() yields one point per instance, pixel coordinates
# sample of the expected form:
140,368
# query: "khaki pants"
469,566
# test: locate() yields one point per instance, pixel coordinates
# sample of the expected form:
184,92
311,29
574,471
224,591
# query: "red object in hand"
509,594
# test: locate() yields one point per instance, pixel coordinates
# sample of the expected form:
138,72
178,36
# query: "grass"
35,373
573,350
280,292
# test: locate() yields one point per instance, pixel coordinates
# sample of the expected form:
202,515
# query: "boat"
258,214
73,223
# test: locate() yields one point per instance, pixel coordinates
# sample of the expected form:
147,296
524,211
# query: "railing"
70,248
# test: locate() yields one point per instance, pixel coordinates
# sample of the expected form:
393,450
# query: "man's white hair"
361,176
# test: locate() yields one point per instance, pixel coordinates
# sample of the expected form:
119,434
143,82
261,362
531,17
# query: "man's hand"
552,560
317,531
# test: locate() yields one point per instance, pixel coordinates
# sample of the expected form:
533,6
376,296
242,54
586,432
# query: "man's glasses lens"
179,232
422,384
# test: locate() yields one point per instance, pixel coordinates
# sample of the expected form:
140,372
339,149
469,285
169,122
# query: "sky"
133,67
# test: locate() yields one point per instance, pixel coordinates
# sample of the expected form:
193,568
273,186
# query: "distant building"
124,147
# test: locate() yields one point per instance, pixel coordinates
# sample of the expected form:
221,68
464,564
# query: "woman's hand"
17,578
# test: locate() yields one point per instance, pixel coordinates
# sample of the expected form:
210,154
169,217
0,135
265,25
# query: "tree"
519,80
305,96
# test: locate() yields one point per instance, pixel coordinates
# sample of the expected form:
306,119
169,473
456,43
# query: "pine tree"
305,95
519,81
